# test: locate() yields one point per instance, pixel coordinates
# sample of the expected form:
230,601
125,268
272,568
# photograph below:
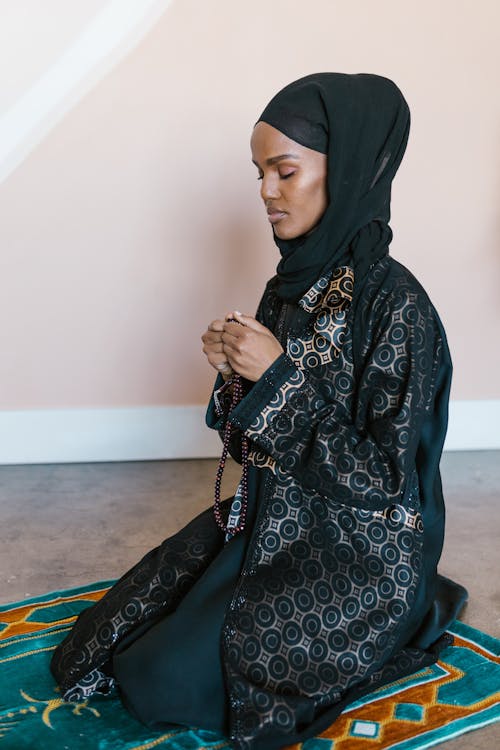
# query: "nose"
269,189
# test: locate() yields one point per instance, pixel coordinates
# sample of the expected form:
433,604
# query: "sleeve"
360,455
218,409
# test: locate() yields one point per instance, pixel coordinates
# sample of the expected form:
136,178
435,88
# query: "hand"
249,346
213,348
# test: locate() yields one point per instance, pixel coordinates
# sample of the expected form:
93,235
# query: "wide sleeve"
219,407
360,453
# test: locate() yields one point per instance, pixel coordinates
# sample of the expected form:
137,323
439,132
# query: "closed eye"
282,176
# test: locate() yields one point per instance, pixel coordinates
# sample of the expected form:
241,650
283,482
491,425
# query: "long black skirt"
169,670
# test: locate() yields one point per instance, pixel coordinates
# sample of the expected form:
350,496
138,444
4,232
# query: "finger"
217,348
231,333
250,322
211,339
228,342
216,325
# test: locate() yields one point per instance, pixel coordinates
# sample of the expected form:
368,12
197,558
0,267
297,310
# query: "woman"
316,583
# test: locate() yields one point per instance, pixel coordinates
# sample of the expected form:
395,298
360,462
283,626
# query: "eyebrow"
275,159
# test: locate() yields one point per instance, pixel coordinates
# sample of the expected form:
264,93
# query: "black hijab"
361,121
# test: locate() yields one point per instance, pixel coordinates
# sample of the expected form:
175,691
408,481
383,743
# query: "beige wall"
130,214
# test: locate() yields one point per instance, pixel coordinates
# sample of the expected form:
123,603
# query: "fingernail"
237,312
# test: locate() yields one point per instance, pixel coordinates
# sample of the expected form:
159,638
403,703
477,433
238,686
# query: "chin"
293,234
285,234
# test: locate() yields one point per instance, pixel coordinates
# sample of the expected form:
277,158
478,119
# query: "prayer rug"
459,693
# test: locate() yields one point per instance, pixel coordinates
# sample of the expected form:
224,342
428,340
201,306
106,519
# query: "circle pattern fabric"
337,553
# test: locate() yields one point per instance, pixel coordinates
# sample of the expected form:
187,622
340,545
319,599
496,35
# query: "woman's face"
294,181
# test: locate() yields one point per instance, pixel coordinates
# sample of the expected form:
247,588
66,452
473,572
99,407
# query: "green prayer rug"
459,693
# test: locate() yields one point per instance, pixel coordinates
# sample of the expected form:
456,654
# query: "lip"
275,216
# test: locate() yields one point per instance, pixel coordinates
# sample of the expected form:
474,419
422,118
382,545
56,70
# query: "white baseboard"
473,426
161,432
90,435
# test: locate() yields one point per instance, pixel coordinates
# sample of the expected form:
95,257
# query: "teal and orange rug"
459,693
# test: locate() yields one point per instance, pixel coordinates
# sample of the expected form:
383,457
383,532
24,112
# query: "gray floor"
68,524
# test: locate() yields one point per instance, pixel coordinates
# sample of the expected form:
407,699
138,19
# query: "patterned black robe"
338,592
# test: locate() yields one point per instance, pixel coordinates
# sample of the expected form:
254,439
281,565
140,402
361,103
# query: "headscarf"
361,121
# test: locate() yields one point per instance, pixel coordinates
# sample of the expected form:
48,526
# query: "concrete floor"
69,524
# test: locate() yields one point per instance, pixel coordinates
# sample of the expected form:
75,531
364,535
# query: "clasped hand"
246,347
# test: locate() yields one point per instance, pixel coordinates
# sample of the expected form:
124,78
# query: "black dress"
332,589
